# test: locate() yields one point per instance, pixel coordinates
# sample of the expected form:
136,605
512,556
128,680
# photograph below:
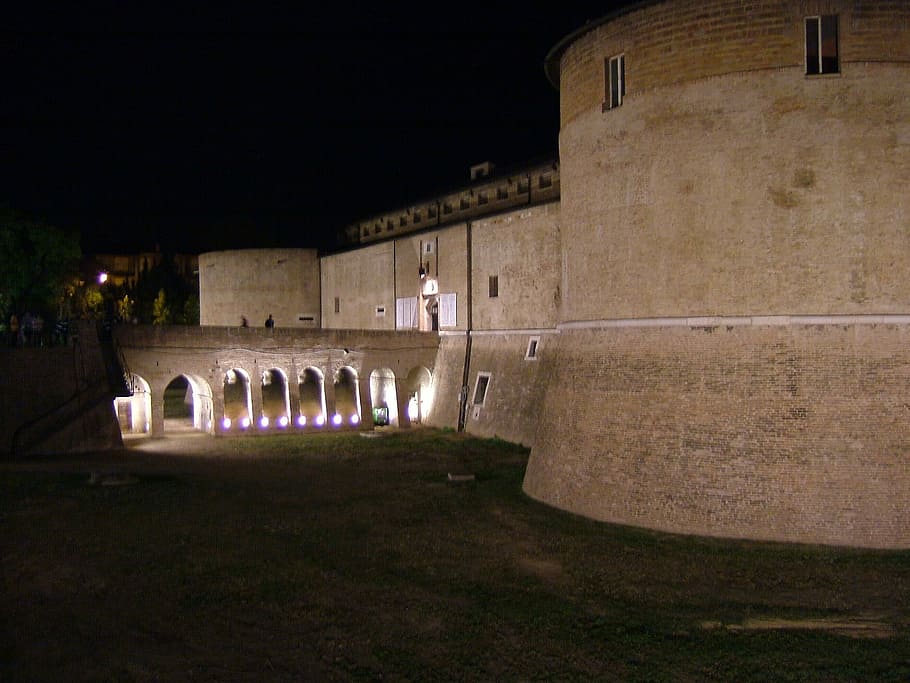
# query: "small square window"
481,388
494,286
821,45
614,81
531,353
481,197
380,311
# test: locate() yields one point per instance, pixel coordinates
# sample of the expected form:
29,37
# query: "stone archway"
276,404
418,386
238,402
188,405
347,398
134,413
311,385
384,397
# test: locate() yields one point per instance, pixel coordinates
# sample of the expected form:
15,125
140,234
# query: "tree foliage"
36,262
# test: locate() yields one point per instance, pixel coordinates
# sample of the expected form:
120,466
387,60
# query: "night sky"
257,125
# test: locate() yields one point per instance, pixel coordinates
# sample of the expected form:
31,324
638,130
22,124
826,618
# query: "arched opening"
238,402
420,394
311,385
134,413
384,397
276,404
188,405
347,398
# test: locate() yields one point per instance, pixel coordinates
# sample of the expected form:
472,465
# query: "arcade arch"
134,413
311,385
384,397
418,386
238,400
347,397
276,403
188,404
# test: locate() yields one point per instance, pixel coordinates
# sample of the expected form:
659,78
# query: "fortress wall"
257,282
446,263
522,248
761,193
361,280
789,433
668,43
514,397
447,381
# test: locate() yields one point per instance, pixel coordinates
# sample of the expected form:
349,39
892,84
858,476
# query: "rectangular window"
531,353
337,304
821,45
406,313
448,310
481,387
614,81
380,311
494,286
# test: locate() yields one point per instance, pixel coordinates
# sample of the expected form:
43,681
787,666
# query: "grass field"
339,557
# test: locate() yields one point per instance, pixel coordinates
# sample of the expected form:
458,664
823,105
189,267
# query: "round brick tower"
734,352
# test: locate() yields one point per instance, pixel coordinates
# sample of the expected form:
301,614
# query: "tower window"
480,388
821,45
494,286
615,81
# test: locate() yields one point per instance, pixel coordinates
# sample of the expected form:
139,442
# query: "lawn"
340,557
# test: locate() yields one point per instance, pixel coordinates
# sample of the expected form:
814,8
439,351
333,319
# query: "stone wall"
794,432
358,289
254,283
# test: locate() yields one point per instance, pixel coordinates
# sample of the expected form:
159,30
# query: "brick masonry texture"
795,433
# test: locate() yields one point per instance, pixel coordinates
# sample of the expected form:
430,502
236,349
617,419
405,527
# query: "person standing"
269,323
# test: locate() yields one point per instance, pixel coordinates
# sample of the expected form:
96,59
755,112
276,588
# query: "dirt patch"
860,626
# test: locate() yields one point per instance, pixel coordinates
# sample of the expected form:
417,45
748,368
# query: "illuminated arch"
311,385
188,404
134,413
238,402
347,397
276,404
419,387
384,396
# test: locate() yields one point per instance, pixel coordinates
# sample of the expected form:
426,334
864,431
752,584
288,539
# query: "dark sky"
255,125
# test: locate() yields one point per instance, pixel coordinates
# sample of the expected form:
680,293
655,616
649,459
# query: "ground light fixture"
226,423
283,421
355,418
320,420
263,422
244,423
336,419
301,420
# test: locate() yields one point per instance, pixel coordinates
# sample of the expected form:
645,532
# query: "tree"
161,313
36,262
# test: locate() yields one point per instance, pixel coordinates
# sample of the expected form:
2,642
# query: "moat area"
404,556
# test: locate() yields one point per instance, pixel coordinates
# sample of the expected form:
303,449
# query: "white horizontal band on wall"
739,321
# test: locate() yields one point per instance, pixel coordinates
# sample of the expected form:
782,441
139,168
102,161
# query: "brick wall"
672,42
791,433
747,194
254,283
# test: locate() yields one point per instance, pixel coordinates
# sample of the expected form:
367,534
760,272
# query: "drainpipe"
463,395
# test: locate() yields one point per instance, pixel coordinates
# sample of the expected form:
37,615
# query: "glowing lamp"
301,421
102,278
355,419
336,419
320,420
263,422
226,423
283,421
244,423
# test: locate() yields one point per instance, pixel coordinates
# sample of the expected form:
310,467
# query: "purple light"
226,423
301,421
355,418
263,422
336,419
245,423
283,421
320,420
